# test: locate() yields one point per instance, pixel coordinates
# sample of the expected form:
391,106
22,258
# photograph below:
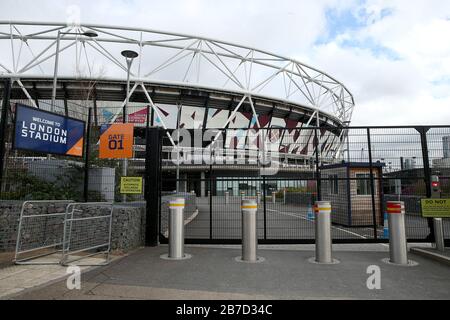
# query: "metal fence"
87,232
358,172
358,169
62,232
40,235
37,176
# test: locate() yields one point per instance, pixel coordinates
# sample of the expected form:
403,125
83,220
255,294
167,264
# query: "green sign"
131,185
435,208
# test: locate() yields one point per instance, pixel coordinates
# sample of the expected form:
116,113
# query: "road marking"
304,218
186,222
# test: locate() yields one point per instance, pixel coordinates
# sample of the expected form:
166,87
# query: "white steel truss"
169,57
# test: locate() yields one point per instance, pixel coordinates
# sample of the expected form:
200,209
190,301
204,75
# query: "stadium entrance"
358,186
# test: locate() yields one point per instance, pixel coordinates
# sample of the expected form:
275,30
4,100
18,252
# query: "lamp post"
89,34
129,56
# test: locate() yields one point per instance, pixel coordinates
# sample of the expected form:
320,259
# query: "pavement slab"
213,273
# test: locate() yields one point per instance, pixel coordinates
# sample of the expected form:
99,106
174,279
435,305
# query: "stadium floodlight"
89,34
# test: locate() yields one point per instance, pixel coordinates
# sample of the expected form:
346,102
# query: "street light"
129,55
89,34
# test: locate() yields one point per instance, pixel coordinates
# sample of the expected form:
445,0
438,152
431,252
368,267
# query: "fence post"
439,234
372,186
152,185
427,173
319,184
3,125
264,206
86,160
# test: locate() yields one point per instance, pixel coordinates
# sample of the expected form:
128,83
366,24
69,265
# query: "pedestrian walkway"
213,273
15,279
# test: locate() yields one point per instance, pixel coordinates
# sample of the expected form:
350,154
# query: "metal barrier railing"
63,232
87,232
40,232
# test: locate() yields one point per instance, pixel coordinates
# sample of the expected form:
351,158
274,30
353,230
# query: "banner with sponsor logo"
138,117
47,132
116,141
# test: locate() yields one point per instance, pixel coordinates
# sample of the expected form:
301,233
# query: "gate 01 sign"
435,208
116,141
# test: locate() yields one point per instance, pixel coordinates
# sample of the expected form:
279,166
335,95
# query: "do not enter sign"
435,208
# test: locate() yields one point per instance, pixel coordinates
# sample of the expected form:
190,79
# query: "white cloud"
411,89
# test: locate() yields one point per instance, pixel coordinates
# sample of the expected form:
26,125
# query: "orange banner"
116,141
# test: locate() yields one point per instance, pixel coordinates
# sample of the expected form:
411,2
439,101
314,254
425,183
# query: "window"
363,184
334,184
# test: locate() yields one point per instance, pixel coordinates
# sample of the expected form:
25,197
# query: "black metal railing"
358,169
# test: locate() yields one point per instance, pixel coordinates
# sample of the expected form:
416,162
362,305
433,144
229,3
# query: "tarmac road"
283,222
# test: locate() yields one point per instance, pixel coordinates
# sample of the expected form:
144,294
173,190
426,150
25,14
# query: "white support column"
155,109
25,91
202,185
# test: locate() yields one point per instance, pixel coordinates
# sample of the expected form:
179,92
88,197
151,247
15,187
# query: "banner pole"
86,160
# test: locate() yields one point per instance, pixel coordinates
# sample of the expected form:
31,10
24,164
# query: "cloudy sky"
393,55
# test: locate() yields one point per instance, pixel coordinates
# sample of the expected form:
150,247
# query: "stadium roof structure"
169,60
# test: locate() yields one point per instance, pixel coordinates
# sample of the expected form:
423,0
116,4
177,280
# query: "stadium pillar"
152,185
3,124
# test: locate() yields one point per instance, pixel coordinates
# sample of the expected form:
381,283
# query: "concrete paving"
213,273
15,279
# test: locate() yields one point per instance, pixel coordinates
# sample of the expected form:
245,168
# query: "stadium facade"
183,82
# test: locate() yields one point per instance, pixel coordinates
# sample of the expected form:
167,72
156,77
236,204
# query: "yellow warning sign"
436,208
131,185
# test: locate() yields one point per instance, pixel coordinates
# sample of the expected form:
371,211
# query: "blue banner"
46,132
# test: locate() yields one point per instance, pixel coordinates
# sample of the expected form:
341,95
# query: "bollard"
176,229
258,197
397,236
274,197
284,196
322,211
310,213
209,197
439,234
249,236
227,197
385,227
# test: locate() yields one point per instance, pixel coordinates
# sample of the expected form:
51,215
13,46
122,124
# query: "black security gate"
357,169
373,166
